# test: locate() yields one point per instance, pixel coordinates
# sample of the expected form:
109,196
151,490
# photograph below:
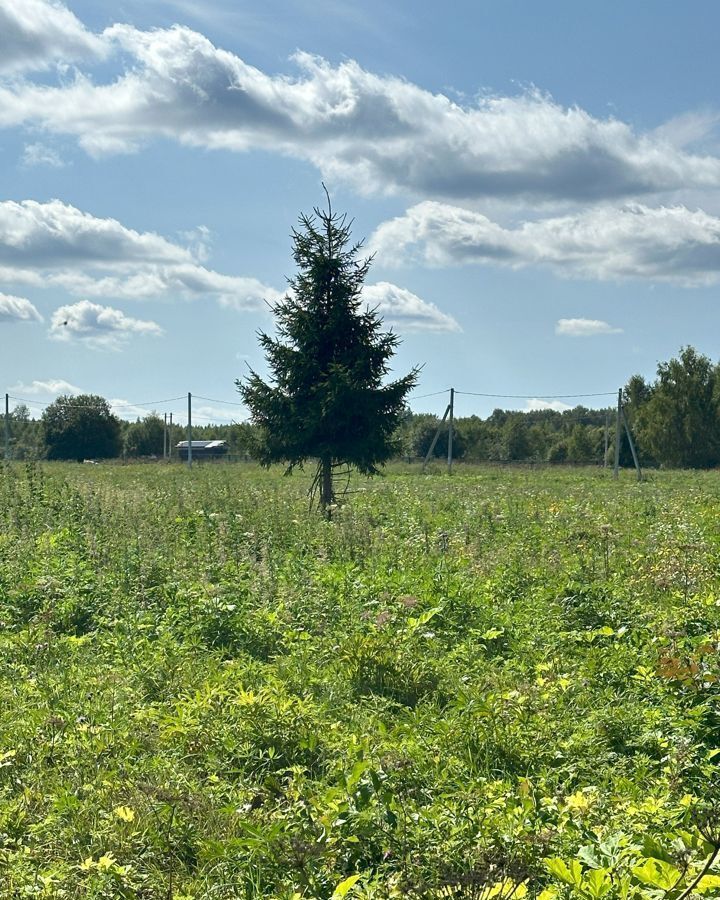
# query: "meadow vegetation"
502,683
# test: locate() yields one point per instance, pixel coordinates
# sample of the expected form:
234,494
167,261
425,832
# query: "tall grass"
210,692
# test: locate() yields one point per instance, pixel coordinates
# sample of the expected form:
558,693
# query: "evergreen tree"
326,398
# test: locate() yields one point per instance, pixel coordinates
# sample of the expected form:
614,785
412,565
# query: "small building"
202,450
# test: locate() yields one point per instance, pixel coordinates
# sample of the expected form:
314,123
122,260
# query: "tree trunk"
327,496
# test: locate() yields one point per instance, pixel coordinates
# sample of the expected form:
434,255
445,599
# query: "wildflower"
124,813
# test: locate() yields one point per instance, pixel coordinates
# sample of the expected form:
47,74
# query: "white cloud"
52,387
38,154
688,128
198,240
56,245
51,235
378,132
634,241
536,405
207,414
17,309
401,307
584,328
127,410
34,34
100,326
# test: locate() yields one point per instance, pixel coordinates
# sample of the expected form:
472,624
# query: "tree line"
84,427
675,420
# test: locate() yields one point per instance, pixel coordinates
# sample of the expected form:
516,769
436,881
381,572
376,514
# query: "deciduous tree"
677,416
81,427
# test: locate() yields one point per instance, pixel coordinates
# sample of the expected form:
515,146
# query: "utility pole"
450,429
165,437
170,433
632,446
435,439
618,434
7,427
189,430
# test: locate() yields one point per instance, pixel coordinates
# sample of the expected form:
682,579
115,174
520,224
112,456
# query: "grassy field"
499,684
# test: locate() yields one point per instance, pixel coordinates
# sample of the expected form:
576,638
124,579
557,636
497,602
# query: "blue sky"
540,184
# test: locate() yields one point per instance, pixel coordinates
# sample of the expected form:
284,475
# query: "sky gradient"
539,183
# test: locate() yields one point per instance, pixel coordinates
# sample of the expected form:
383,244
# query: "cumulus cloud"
17,309
56,245
401,307
97,325
52,387
378,132
536,405
634,241
208,414
34,34
584,328
51,235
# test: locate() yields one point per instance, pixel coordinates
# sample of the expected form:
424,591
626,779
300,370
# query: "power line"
155,403
82,406
435,394
537,396
149,402
215,400
23,400
210,419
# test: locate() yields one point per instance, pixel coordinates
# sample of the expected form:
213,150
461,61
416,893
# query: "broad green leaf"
597,882
550,893
424,618
345,887
657,873
588,854
570,874
654,850
708,884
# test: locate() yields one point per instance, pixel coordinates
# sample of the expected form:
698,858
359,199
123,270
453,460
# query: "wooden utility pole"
189,430
165,437
618,434
437,435
632,446
451,407
7,426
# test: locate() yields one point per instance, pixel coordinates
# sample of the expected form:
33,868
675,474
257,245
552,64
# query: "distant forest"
675,421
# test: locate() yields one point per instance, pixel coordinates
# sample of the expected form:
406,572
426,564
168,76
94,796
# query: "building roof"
201,445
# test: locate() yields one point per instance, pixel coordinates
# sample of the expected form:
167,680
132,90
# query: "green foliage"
26,437
677,417
145,437
500,684
80,427
574,436
326,398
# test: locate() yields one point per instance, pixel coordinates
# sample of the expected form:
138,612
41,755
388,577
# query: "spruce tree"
325,399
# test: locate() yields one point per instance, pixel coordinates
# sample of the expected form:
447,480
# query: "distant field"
497,684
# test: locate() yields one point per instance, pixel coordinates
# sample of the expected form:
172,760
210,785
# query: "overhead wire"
538,396
127,404
435,394
215,400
